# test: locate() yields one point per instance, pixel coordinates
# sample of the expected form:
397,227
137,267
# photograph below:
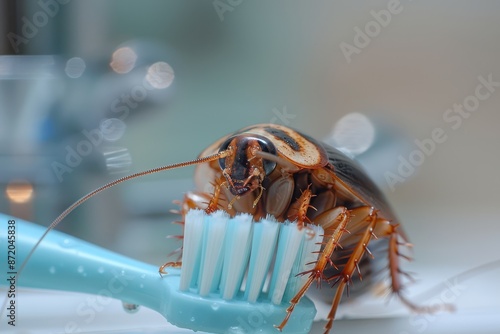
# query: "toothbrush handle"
63,262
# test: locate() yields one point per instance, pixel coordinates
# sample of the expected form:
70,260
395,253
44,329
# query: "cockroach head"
244,168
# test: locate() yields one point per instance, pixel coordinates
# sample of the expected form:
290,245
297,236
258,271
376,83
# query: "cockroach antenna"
79,202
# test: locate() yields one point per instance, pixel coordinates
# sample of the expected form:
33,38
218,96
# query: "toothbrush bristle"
235,261
193,233
219,251
290,241
211,256
263,247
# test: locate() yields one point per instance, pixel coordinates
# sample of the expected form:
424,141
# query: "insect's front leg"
194,200
298,210
215,201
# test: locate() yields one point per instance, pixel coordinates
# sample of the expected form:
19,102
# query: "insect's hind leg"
396,273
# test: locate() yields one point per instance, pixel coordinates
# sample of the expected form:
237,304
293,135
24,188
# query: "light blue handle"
62,262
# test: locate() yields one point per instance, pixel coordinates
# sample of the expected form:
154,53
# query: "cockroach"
270,169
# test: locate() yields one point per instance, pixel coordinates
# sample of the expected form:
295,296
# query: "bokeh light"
19,191
112,129
160,75
354,133
123,60
75,67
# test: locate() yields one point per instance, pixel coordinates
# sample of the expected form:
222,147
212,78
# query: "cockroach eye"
239,145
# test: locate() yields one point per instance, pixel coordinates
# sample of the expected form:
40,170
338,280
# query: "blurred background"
93,90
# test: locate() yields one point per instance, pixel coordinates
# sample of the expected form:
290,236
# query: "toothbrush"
203,295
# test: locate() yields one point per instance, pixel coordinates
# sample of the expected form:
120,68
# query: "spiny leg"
211,206
344,278
176,264
316,274
298,210
191,200
214,203
396,273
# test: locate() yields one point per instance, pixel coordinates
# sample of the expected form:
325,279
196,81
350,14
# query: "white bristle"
211,257
263,249
306,261
193,232
289,243
237,246
219,250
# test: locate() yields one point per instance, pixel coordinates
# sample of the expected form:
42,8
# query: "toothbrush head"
238,275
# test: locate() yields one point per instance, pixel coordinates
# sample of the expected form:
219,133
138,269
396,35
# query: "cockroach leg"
343,279
213,204
332,236
178,251
396,273
193,201
162,271
298,210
